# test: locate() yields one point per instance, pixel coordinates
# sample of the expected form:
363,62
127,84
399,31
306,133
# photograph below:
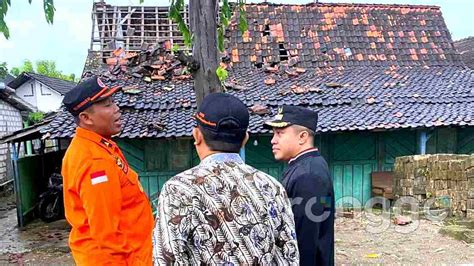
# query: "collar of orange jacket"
92,136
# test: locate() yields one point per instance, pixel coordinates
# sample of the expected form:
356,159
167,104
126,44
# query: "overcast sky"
67,40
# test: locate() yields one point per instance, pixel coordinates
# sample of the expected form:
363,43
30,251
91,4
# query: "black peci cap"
294,115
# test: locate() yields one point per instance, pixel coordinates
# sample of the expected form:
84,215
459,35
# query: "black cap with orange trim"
87,93
224,116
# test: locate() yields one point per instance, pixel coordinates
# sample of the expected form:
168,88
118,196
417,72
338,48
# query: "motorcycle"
51,206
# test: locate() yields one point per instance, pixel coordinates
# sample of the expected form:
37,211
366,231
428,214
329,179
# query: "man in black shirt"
307,182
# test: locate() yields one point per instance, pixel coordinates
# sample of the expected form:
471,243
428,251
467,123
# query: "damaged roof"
363,67
324,34
58,85
466,48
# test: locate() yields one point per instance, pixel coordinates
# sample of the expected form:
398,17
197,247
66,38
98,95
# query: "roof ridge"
352,5
37,74
465,39
307,4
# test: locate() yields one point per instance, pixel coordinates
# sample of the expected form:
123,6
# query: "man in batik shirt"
223,211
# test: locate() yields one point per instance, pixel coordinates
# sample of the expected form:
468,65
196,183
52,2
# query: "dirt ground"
361,239
358,240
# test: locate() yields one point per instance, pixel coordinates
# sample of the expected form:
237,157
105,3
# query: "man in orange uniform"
104,201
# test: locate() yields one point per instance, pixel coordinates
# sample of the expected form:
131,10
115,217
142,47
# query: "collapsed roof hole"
259,64
324,49
266,31
283,52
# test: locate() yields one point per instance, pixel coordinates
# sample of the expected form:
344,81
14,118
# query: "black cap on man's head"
294,115
85,94
224,116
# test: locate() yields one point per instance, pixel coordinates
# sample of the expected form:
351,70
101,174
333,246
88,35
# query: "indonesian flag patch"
98,177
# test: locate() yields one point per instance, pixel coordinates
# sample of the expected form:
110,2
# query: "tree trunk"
203,24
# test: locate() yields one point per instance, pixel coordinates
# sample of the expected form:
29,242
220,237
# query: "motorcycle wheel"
50,208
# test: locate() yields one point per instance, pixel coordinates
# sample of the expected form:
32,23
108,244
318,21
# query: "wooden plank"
337,177
396,144
153,185
133,152
465,143
357,183
367,183
446,141
347,182
275,172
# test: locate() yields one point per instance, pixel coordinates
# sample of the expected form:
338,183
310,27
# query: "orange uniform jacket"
111,217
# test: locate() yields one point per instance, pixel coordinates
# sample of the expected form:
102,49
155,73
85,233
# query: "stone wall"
10,121
442,177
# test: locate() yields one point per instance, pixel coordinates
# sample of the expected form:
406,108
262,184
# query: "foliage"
222,73
176,14
35,117
3,70
43,67
48,7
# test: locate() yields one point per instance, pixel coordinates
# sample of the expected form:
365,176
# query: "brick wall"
440,176
10,121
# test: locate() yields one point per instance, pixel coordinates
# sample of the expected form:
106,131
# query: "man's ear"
245,139
197,135
85,118
303,137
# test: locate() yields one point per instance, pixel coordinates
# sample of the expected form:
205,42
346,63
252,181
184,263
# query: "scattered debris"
131,90
439,250
232,84
402,220
333,85
168,88
348,214
371,100
270,69
298,89
156,125
270,81
152,64
314,89
398,114
291,73
186,103
259,109
300,70
372,256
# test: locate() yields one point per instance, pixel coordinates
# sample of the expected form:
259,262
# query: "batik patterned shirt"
224,212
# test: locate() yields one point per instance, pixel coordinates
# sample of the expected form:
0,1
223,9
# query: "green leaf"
180,5
30,1
175,48
225,13
142,1
221,73
175,14
243,25
4,29
3,70
49,9
220,38
35,117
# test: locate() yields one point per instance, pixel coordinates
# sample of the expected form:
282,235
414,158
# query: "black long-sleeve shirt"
309,186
